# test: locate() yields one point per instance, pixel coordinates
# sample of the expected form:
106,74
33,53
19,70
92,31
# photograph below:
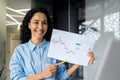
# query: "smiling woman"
29,60
38,26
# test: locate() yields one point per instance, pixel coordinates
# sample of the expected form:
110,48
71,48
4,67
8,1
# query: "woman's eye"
36,22
45,22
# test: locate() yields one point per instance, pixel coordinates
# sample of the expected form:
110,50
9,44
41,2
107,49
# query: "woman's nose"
40,26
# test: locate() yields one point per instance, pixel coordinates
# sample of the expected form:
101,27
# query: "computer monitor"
109,67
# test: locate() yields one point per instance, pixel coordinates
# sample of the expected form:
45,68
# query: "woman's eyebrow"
38,20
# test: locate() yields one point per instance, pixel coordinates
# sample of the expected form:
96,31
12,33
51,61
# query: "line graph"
59,41
69,46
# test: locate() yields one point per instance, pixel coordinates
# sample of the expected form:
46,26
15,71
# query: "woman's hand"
49,71
91,55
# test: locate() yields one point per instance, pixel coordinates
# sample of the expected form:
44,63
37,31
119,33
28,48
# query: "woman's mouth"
39,31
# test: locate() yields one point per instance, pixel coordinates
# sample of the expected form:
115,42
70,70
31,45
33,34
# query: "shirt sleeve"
61,73
16,69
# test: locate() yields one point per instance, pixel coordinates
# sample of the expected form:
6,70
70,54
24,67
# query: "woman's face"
38,25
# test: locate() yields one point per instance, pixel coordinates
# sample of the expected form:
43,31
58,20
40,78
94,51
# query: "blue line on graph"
78,44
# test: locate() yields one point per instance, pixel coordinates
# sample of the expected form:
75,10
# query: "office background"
100,18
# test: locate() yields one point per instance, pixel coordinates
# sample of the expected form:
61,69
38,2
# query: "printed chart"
70,47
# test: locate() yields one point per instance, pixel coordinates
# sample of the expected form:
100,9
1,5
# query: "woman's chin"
38,37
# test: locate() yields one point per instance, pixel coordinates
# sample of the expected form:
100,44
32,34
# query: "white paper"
70,47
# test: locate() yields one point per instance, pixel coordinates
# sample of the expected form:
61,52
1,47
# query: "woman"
30,61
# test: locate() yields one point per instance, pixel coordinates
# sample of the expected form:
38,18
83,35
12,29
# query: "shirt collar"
33,46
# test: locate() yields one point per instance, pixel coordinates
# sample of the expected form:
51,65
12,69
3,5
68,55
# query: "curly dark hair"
25,33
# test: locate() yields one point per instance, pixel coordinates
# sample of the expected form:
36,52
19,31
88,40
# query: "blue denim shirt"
29,59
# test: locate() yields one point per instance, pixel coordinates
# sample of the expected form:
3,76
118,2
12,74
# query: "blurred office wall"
104,15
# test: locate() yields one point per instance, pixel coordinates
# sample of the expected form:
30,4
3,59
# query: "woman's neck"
36,41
